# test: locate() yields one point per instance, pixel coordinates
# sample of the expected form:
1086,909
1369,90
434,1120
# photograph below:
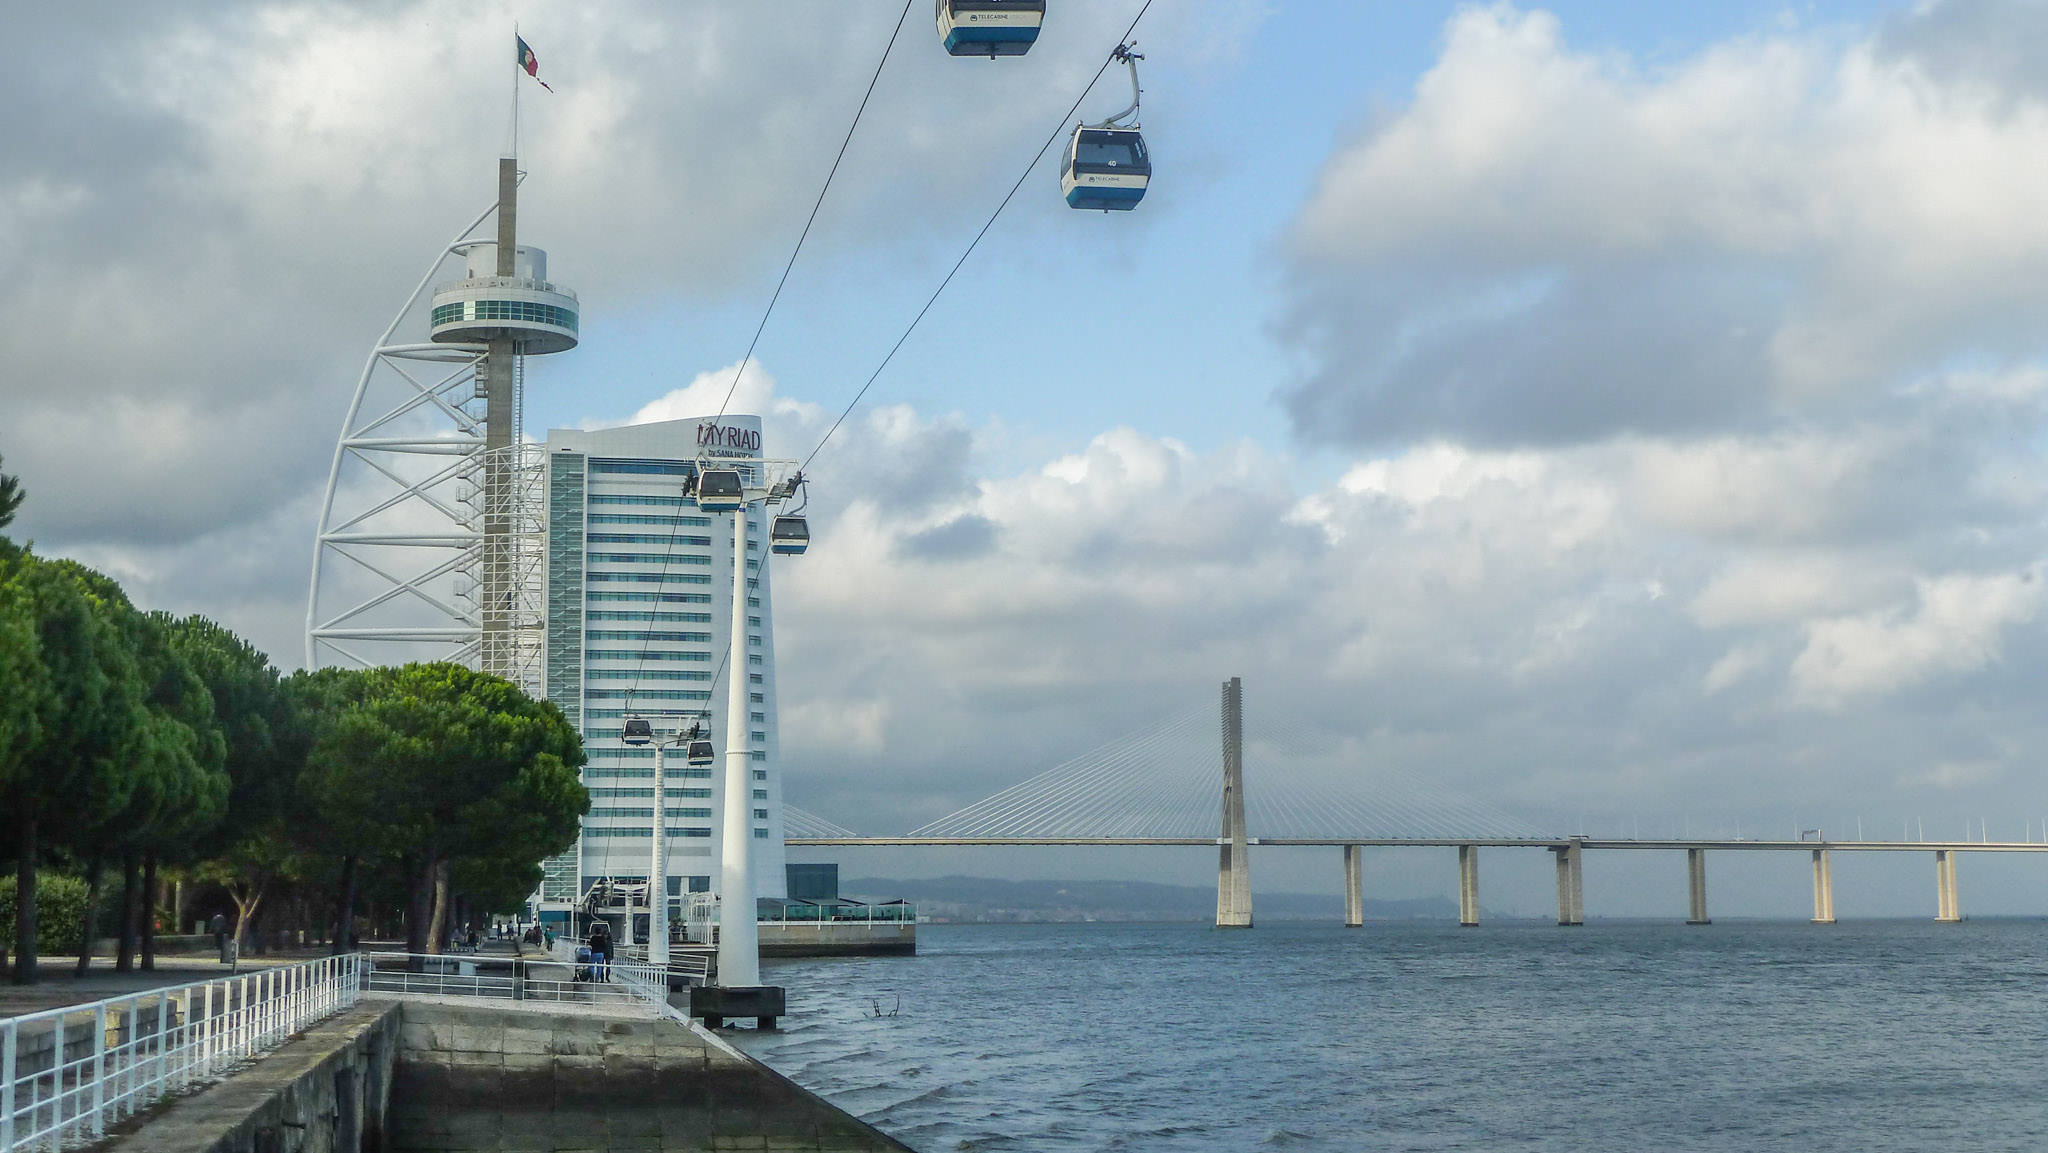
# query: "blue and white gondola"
989,27
1106,169
789,536
720,490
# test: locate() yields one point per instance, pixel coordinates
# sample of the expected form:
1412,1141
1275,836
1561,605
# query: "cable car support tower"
432,532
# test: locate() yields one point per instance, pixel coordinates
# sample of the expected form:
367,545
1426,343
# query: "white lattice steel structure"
432,533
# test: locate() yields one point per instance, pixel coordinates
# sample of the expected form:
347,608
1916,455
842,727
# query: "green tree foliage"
60,906
442,766
88,716
10,498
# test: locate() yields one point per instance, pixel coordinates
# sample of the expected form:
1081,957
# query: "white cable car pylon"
1107,167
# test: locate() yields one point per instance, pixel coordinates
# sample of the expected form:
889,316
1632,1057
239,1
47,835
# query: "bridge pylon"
1234,870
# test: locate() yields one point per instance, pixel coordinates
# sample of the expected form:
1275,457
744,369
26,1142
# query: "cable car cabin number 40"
1107,167
989,28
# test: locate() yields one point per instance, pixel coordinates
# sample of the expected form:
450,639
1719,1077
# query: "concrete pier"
1468,886
1354,886
1823,888
1696,876
1234,869
1947,908
1571,885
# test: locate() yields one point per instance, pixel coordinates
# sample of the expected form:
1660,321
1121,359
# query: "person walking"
219,925
600,943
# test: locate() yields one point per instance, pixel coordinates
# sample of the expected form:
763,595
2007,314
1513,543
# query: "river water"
1870,1036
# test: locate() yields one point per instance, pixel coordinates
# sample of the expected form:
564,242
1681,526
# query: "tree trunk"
345,908
131,910
419,912
441,909
25,904
150,906
245,912
88,922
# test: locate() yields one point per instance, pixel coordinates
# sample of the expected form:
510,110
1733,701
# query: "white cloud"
1549,243
1955,626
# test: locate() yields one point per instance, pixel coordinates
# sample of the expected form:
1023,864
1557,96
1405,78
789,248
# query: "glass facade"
521,310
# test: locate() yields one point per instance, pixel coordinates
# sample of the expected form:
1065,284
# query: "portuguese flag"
530,62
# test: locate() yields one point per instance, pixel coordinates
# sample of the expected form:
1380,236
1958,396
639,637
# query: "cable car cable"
934,298
633,689
815,206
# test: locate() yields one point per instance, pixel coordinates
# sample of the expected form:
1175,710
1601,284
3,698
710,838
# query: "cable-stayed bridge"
1175,783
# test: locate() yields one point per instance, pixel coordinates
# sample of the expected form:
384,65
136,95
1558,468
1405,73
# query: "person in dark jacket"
600,943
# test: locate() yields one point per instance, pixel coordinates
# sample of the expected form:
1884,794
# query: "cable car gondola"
1107,167
720,490
989,28
697,746
789,536
638,731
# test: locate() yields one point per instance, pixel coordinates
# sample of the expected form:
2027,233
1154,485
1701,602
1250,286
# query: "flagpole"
517,68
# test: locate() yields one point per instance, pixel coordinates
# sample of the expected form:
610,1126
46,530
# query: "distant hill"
992,899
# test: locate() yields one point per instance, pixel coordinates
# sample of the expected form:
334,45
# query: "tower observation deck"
432,531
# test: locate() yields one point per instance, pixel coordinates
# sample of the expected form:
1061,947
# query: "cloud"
1956,625
1549,245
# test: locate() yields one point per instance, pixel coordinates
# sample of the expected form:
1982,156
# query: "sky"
1628,416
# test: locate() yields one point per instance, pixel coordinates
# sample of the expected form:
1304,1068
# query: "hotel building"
639,607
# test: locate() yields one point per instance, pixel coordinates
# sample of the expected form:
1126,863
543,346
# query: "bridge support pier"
1468,886
1354,886
1823,888
1696,875
1571,885
1234,869
1946,907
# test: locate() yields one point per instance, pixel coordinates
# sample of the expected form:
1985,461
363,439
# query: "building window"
760,834
649,502
757,718
753,602
673,578
760,774
647,655
757,736
689,831
648,518
677,811
624,812
624,635
754,658
757,698
694,794
651,617
622,794
757,755
648,558
760,794
641,468
754,621
685,773
759,814
644,538
753,678
651,598
649,675
626,831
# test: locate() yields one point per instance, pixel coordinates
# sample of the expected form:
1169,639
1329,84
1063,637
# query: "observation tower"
432,536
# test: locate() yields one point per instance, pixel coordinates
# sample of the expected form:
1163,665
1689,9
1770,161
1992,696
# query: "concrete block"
724,1143
523,1040
416,1037
478,1038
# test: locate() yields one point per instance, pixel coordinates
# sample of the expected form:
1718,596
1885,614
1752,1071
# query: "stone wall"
483,1076
325,1091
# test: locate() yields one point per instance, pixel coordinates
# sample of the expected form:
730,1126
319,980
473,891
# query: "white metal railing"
522,979
68,1073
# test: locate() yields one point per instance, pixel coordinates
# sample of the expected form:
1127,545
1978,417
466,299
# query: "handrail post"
10,1040
99,1068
